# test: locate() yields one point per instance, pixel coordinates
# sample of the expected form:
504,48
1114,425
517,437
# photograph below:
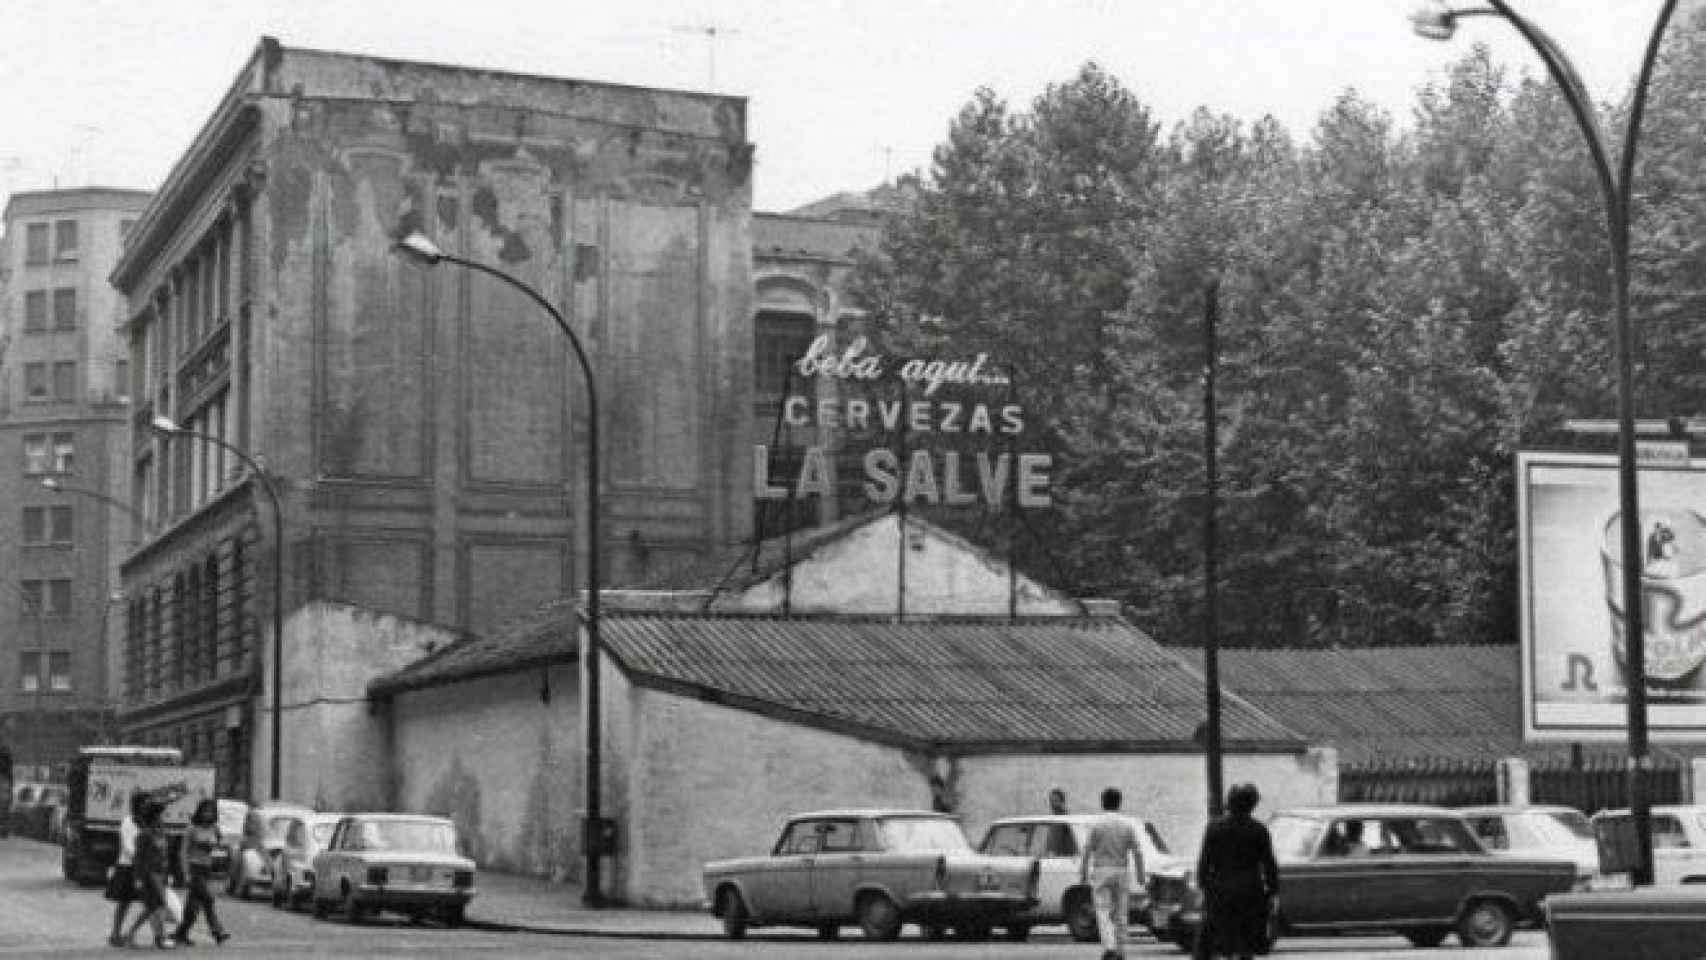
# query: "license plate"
420,874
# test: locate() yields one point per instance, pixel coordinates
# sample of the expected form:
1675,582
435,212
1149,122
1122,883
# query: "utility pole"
710,32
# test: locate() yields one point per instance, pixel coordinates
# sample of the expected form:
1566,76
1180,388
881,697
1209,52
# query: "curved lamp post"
1438,22
50,483
418,248
166,426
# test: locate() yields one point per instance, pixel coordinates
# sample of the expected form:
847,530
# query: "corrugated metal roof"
548,634
1395,705
964,681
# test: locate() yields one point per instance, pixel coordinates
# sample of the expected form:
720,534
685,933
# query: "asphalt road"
43,916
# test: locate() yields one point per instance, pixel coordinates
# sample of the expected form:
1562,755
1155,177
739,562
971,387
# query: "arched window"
210,617
190,610
180,628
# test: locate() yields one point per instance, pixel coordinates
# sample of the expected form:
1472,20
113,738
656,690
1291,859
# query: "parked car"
263,834
1679,841
232,813
1057,842
1413,870
879,869
403,862
1538,831
38,810
292,865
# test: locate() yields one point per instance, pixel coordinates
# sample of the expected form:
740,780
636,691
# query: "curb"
503,926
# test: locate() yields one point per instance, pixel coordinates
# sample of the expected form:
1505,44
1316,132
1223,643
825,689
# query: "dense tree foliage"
1402,306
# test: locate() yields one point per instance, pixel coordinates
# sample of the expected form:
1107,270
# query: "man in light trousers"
1112,864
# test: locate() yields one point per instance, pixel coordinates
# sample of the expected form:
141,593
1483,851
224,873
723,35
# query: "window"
64,452
47,525
35,240
65,381
1008,840
52,598
65,308
65,239
29,671
59,672
780,340
35,382
35,453
35,311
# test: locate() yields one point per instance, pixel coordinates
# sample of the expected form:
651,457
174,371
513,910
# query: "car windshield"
422,835
923,833
1295,838
1560,828
323,831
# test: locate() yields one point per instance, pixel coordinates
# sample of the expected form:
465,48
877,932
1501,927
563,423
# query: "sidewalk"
511,901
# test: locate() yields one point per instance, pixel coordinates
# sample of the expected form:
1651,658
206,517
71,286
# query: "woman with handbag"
195,852
151,880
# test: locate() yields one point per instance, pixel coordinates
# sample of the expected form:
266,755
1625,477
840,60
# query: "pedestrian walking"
121,882
1112,864
195,852
1239,880
1057,801
151,866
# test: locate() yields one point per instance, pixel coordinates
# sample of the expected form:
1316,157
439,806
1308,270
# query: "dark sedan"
1416,871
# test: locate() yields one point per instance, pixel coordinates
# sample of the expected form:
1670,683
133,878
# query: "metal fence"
1456,783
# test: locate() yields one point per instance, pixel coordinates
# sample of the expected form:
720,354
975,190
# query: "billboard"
1570,558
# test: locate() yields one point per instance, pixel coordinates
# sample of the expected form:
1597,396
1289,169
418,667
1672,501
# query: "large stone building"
63,386
424,429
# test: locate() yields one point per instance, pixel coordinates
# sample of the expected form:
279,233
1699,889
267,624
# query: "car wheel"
1426,936
1081,916
320,908
1487,923
1019,932
829,931
453,916
732,909
353,913
879,918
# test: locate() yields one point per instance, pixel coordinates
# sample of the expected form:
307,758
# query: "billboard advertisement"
1572,596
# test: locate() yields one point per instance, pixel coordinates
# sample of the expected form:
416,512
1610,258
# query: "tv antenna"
711,32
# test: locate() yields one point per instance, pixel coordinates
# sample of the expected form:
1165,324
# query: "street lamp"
417,247
166,426
1436,21
53,485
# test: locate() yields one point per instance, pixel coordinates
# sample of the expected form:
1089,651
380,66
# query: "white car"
1679,840
404,862
1057,842
263,835
305,835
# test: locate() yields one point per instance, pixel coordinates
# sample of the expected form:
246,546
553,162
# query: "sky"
841,94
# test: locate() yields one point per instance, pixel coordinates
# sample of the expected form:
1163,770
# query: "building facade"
424,430
63,389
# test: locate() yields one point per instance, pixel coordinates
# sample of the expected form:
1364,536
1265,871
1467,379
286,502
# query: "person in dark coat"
1239,880
152,866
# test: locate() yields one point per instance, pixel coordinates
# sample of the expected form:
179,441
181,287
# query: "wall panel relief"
371,408
508,579
515,361
654,336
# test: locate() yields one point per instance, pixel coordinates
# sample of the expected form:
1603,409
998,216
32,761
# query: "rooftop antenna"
710,32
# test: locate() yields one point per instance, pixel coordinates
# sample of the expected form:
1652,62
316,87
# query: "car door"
1318,882
846,855
324,885
781,888
1426,866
